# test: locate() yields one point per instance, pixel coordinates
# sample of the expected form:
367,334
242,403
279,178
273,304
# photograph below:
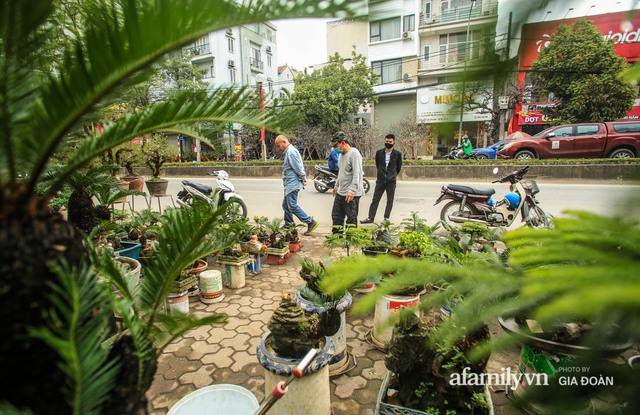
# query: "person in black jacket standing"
388,165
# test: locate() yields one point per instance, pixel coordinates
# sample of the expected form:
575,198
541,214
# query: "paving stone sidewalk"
227,354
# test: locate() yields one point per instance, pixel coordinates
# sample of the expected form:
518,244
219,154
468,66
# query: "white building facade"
237,56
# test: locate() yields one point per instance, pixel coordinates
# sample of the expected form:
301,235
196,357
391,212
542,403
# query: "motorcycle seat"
471,190
202,188
324,170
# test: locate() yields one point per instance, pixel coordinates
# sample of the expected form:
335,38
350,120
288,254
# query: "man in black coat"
388,165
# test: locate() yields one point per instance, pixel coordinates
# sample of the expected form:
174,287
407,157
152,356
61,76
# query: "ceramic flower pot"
308,395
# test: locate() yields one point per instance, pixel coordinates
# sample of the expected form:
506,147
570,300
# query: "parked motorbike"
454,155
225,192
469,204
325,180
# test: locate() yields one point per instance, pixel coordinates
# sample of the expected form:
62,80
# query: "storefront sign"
440,103
536,36
532,113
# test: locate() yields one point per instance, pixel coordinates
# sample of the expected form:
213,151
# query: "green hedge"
547,162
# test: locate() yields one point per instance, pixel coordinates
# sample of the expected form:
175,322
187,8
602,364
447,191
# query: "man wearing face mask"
388,165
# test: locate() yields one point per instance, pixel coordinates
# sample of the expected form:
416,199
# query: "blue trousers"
291,208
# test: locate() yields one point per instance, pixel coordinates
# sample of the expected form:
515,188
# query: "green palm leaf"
76,331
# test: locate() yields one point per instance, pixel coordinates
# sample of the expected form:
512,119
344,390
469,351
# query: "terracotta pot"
295,246
202,265
122,186
135,182
157,187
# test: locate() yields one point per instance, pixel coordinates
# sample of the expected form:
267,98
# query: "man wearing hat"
349,185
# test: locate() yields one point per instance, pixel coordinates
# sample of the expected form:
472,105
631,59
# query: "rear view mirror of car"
550,135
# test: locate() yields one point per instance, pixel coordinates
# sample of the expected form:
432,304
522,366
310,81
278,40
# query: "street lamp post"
260,78
464,74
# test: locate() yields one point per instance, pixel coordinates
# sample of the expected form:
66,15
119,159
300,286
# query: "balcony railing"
459,14
200,49
456,55
256,63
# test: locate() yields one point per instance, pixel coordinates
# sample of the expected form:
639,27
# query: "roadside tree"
412,136
333,95
582,72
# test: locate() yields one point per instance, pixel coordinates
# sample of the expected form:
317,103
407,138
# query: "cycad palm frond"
76,330
185,236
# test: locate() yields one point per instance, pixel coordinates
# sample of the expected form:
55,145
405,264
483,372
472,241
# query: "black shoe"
367,220
312,226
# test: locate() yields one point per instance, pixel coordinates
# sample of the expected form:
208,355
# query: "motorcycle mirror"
495,170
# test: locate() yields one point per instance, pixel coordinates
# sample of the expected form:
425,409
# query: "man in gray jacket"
349,187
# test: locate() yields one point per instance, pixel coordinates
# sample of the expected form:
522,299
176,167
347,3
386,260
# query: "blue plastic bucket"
217,399
132,250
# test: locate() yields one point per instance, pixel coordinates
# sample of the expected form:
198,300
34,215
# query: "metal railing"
455,56
459,14
200,49
256,63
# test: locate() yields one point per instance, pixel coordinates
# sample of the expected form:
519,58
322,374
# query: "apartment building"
417,48
237,55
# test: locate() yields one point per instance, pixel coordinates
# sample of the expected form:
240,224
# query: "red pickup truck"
591,140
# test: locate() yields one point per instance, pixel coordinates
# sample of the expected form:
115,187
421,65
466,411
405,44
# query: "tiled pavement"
227,354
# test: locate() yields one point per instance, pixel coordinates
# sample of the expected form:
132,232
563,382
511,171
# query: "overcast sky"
301,42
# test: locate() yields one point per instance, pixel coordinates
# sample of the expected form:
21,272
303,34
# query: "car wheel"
622,153
481,156
524,155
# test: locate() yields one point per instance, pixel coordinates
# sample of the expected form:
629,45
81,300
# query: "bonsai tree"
428,384
277,238
291,233
381,237
349,237
156,153
127,156
53,83
313,273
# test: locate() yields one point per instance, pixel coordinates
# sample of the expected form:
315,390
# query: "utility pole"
464,74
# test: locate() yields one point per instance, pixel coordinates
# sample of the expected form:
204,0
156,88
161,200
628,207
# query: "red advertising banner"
532,113
634,113
535,36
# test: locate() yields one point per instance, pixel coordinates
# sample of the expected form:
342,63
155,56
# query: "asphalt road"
264,197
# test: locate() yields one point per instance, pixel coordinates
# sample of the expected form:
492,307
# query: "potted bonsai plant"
292,334
381,239
292,235
427,388
235,257
278,246
127,156
330,308
156,153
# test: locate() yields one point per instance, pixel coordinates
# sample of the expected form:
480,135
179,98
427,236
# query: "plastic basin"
217,399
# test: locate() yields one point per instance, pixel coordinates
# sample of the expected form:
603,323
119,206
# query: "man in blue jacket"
334,156
294,179
388,166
